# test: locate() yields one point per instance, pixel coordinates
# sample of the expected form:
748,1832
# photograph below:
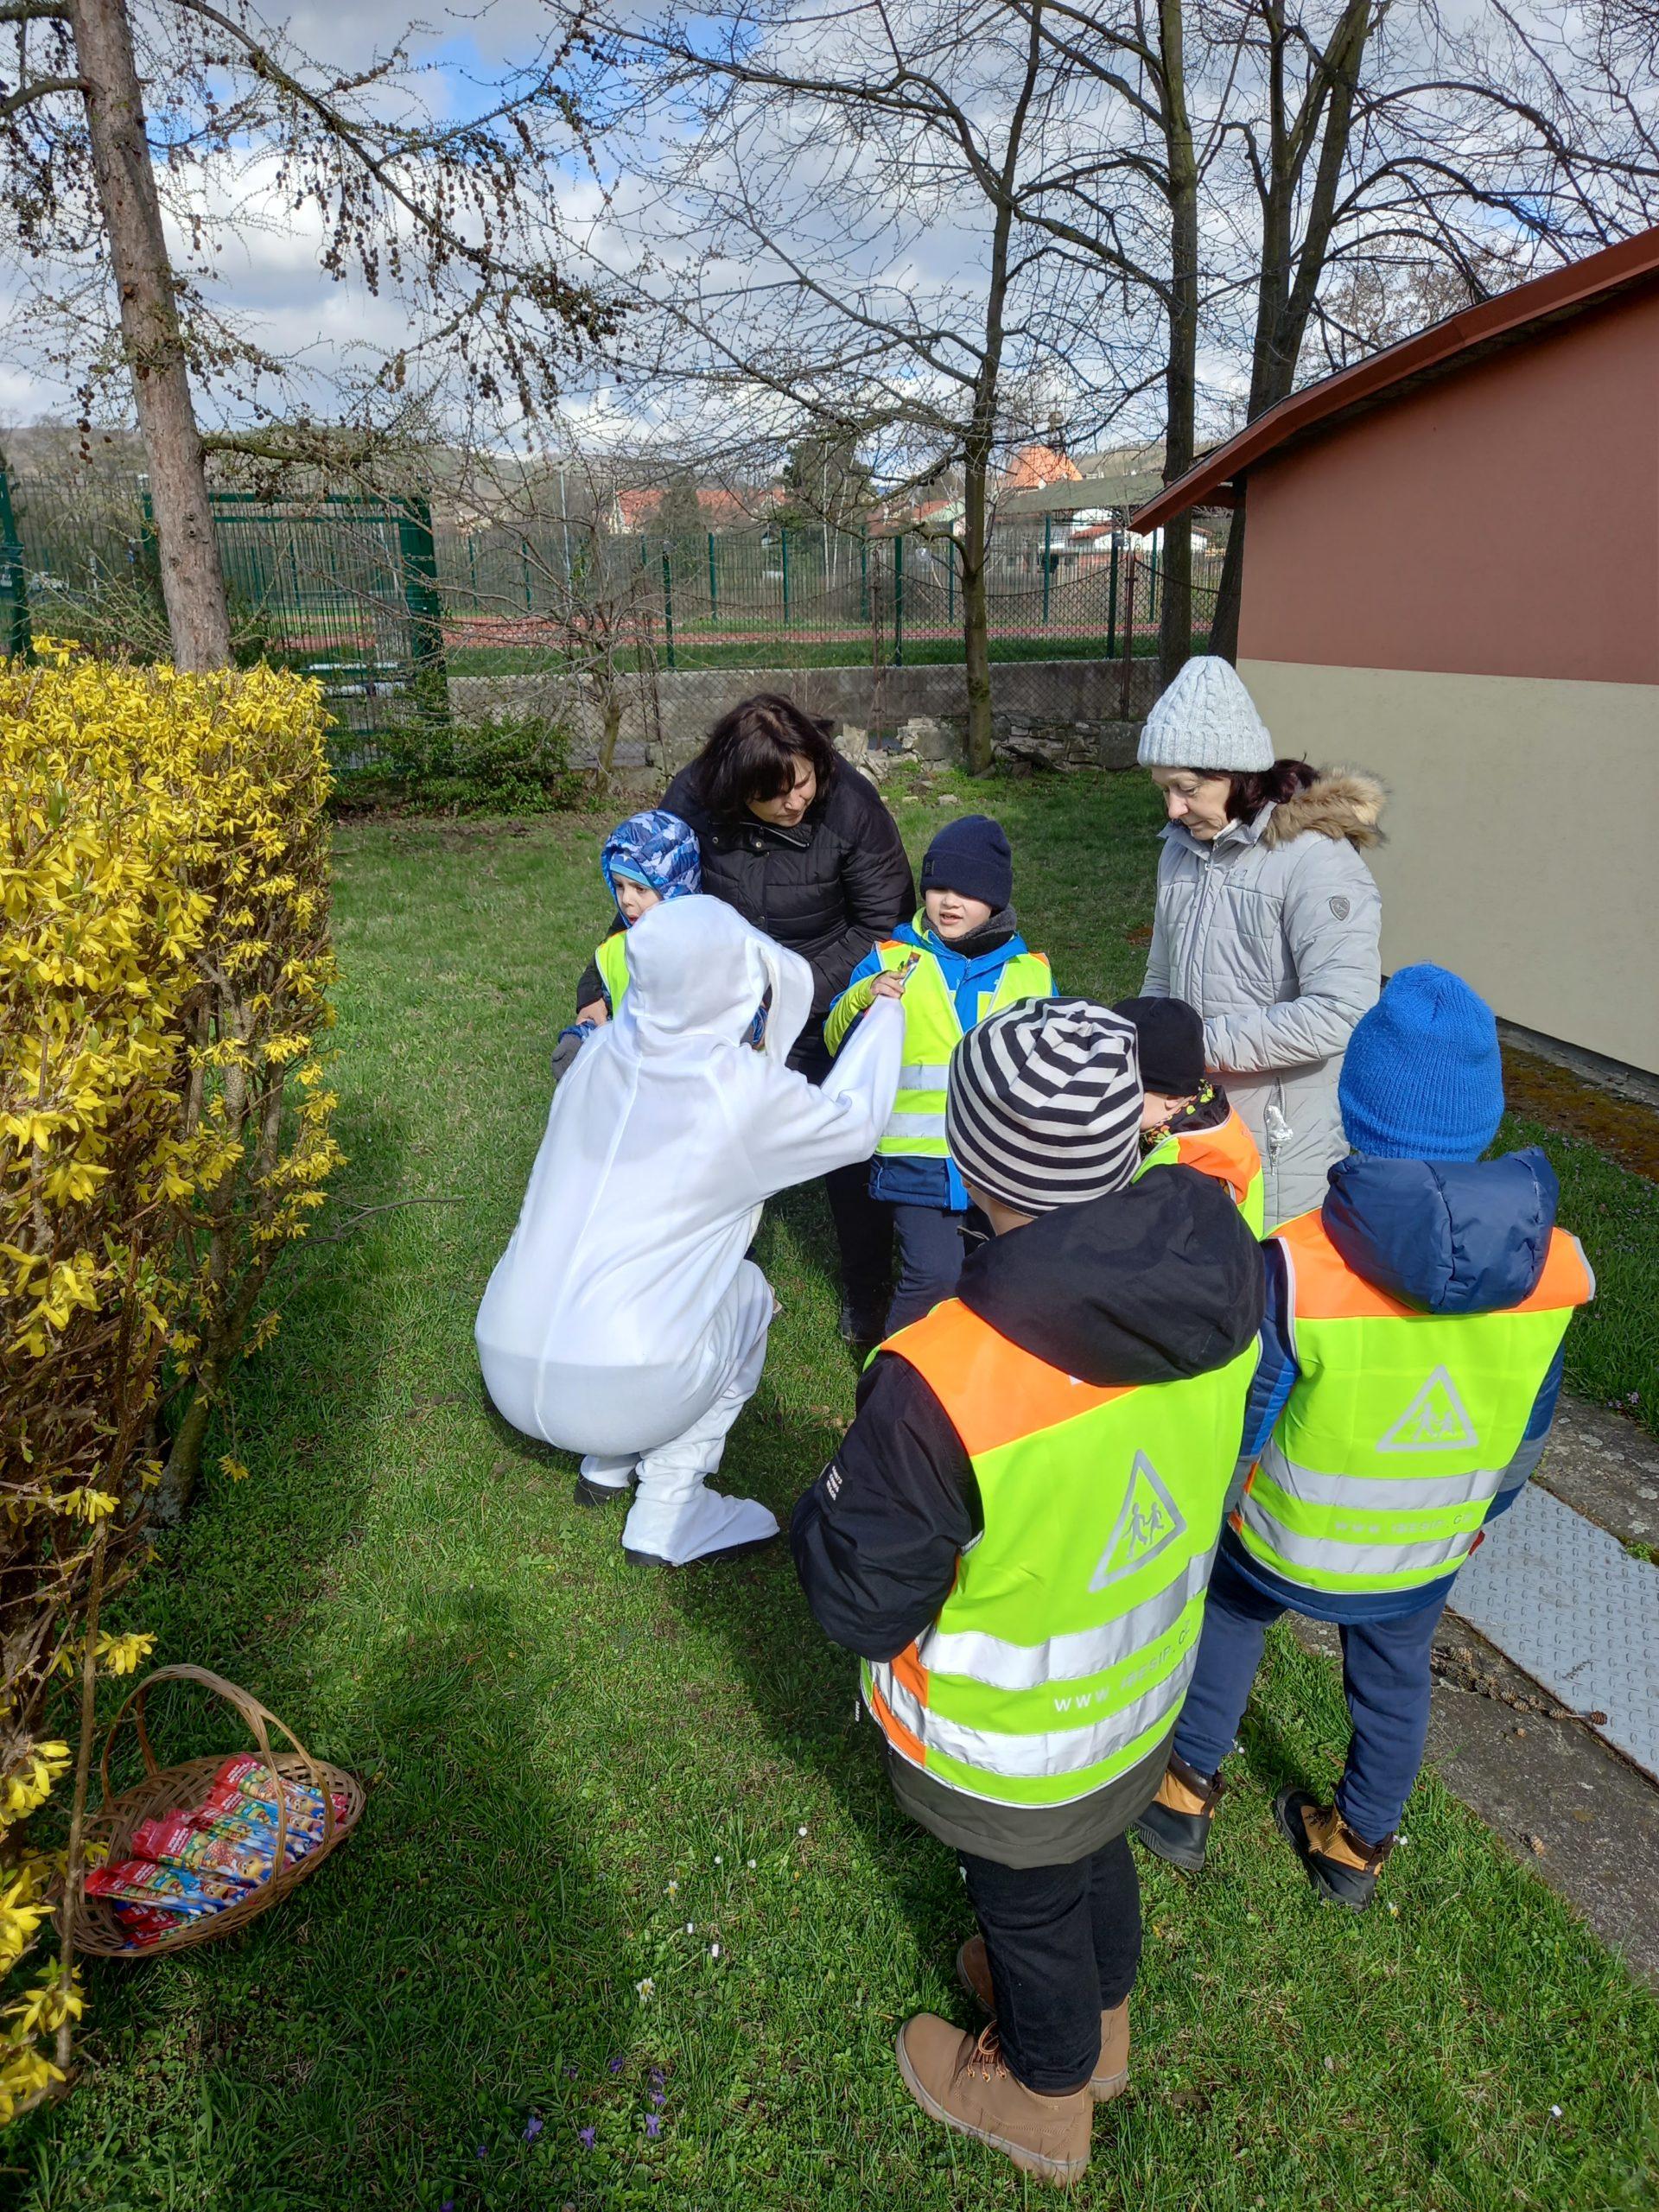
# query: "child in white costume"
623,1321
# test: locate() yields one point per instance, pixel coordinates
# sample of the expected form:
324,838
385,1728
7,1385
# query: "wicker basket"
177,1789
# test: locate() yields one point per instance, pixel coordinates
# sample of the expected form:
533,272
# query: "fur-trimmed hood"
1341,802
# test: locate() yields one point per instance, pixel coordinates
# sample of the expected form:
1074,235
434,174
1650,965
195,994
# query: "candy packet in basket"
246,1851
175,1889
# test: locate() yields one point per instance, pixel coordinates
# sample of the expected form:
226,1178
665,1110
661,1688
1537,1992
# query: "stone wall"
1045,714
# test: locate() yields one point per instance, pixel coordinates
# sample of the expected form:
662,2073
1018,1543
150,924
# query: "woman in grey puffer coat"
1266,920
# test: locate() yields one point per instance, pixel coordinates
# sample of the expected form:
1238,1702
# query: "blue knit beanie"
970,856
1422,1079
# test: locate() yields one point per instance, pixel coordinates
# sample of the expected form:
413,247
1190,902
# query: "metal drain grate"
1566,1602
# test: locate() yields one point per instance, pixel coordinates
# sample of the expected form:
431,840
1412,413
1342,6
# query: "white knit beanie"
1207,720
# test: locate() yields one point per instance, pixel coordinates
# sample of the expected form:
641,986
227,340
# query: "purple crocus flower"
615,2065
532,2128
585,2136
653,2125
659,2096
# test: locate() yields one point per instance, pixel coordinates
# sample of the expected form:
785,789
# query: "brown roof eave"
1461,339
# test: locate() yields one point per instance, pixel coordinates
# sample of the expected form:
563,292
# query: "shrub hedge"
164,1133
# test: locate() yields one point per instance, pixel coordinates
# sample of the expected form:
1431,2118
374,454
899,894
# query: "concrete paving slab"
1569,1605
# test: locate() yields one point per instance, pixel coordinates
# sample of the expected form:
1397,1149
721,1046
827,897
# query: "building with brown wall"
1451,576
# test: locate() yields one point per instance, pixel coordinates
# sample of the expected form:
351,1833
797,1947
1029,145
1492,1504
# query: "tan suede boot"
963,2080
1111,2074
1341,1866
1176,1825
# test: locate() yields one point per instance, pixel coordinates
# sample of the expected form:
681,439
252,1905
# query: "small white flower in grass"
644,1990
1556,2111
802,1829
719,1861
751,1864
690,1927
714,1950
673,1888
1394,1910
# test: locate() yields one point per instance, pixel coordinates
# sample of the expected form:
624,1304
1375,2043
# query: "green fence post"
668,602
864,575
783,536
899,601
17,641
1111,604
524,557
417,558
1048,539
951,580
1152,584
714,588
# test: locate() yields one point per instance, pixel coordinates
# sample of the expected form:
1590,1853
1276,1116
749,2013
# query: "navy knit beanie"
1422,1079
971,856
1172,1043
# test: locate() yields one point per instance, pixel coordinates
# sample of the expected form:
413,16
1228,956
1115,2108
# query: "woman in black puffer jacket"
803,847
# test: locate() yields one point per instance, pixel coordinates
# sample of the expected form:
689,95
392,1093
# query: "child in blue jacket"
962,958
1411,1361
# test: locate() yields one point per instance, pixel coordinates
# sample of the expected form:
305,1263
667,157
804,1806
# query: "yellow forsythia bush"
164,1131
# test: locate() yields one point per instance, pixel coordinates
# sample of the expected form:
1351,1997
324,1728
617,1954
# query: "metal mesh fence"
803,597
393,612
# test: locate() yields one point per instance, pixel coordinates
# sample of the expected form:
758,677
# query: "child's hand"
891,983
596,1013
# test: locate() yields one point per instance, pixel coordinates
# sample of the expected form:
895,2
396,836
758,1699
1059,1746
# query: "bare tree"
841,248
461,217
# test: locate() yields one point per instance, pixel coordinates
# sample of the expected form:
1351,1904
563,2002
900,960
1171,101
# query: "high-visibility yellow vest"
932,1032
1060,1658
1228,1154
1396,1433
610,958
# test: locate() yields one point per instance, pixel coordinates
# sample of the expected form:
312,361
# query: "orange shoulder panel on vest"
1325,1288
1227,1153
993,1392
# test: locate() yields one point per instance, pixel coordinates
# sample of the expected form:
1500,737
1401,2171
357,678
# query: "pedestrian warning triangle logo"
1436,1420
1148,1524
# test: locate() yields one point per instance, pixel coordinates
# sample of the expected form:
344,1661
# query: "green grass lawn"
584,1777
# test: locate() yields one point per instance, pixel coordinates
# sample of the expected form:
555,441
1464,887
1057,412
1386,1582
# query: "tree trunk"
1182,372
1223,627
975,620
193,583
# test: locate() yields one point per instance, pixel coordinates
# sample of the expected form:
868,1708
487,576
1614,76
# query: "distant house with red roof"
1451,576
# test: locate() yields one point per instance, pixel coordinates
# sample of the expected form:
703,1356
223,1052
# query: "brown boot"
1111,2074
963,2080
1176,1825
1341,1865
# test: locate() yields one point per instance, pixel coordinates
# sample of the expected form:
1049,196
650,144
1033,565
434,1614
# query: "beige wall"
1521,832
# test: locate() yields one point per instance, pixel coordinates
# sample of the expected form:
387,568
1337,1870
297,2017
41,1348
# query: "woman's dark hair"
1247,795
754,752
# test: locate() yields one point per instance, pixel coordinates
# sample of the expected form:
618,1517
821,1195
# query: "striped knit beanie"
1043,1106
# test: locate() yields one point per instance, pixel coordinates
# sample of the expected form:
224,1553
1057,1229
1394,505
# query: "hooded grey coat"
1271,933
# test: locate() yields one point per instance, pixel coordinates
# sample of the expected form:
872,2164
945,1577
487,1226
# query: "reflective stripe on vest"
932,1032
1228,1155
611,961
1061,1656
1397,1431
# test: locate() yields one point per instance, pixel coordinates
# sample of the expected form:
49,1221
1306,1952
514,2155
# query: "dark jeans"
930,1252
1063,1943
1385,1676
863,1226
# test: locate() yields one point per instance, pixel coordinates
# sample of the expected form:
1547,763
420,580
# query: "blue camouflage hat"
655,848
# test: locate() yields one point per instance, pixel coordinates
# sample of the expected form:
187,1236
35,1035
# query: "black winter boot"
1342,1866
1176,1825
